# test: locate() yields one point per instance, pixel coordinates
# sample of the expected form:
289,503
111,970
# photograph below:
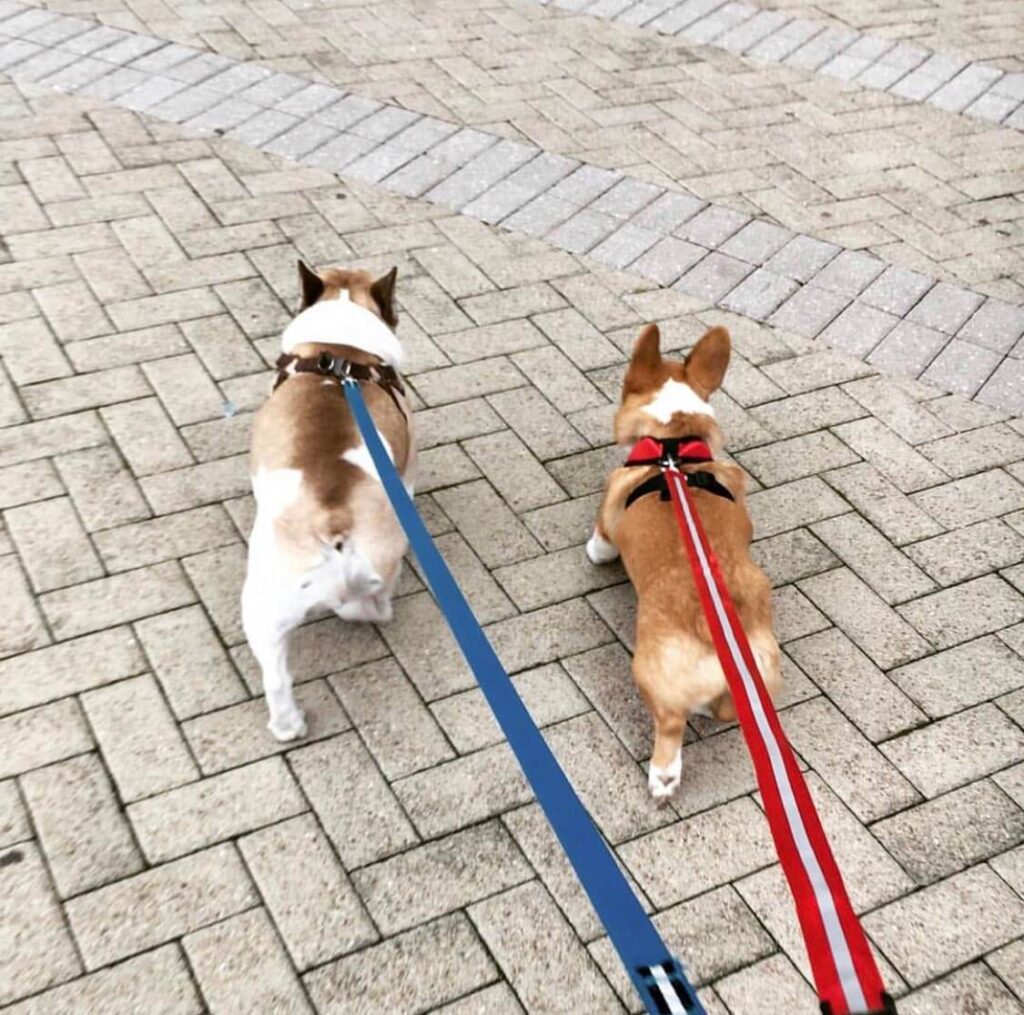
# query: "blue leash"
658,977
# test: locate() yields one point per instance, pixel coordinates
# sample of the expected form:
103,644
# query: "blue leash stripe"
658,978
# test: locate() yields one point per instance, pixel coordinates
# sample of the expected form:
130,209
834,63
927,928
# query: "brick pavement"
933,191
155,843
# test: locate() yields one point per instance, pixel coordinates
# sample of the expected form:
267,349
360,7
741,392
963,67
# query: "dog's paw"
370,610
599,550
664,782
289,727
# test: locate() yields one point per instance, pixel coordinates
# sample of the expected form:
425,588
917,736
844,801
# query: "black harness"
326,365
668,452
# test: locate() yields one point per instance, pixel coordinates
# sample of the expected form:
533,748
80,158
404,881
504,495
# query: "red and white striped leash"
845,973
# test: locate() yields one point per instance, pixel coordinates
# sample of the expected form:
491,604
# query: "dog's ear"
383,293
312,285
645,368
708,361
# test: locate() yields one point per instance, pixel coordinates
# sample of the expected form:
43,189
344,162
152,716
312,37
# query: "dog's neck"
341,322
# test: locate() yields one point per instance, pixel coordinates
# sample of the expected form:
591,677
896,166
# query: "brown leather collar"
342,369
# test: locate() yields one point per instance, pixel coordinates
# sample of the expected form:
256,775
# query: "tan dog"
325,533
675,665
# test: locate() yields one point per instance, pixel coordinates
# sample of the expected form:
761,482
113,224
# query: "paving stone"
428,966
851,766
974,499
373,695
795,458
897,409
214,809
932,930
521,927
995,325
468,865
945,308
356,807
809,310
241,966
498,999
792,506
972,986
961,367
972,744
966,611
61,670
952,832
311,899
893,457
42,736
124,988
773,981
106,602
877,629
652,858
45,954
83,833
157,905
712,278
896,290
960,677
141,744
14,823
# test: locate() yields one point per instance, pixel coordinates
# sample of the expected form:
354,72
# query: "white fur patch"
673,397
599,550
663,782
361,456
276,489
342,322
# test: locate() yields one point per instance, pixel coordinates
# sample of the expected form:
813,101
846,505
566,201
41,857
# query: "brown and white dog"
674,664
325,533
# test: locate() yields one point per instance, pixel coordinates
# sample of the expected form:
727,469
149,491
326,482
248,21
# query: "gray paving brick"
808,311
858,329
760,294
820,48
712,227
713,277
945,308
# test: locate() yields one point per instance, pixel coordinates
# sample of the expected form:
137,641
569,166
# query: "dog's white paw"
664,782
370,610
288,727
599,550
704,710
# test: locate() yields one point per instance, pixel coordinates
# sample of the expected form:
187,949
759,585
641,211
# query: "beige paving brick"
463,791
313,904
498,999
165,538
968,553
215,808
973,986
196,485
851,766
603,676
794,615
800,414
80,825
85,391
167,308
41,736
489,526
427,966
789,460
222,347
876,705
237,735
548,634
952,832
538,423
374,695
124,988
72,311
593,759
141,744
14,823
966,611
947,924
104,492
146,437
217,575
357,808
792,555
892,456
23,484
44,954
890,510
871,624
962,676
984,448
194,671
37,677
1007,963
523,925
555,577
241,966
514,472
957,750
45,438
485,595
53,547
549,694
464,867
185,389
652,858
109,601
773,982
792,506
974,499
160,904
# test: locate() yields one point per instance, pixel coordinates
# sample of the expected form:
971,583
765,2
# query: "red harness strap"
844,969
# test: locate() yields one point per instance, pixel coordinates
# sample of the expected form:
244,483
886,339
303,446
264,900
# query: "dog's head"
662,397
376,295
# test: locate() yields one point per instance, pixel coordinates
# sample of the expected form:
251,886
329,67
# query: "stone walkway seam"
943,79
894,318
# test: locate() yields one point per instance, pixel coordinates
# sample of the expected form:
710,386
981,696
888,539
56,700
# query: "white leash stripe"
668,992
848,978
